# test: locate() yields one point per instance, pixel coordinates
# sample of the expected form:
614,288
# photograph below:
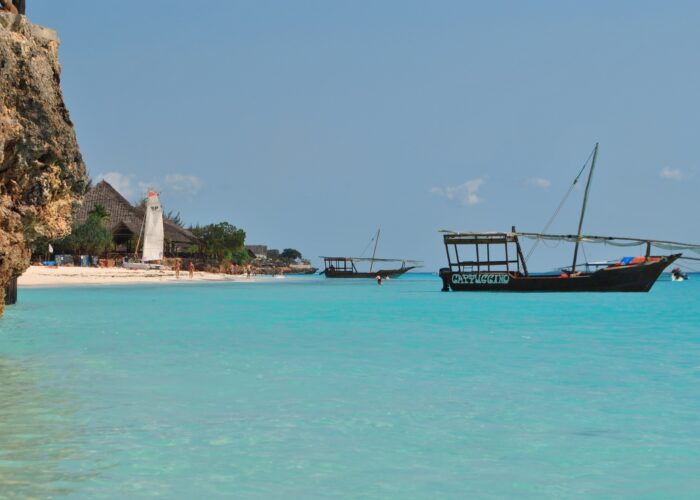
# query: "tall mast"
374,252
138,241
583,208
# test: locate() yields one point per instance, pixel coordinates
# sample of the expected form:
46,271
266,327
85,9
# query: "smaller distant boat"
153,236
678,275
351,267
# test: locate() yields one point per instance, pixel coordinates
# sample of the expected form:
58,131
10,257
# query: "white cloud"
671,173
466,193
184,183
121,182
538,182
131,188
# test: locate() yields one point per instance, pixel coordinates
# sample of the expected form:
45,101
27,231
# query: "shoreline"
58,277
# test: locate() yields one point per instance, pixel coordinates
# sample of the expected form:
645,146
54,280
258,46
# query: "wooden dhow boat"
350,267
347,267
510,273
494,261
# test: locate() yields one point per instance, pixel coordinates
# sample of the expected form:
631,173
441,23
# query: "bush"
290,255
89,238
222,241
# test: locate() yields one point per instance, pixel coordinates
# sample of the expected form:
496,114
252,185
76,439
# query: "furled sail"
614,241
153,236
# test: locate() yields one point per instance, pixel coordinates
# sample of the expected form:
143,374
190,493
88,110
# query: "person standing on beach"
191,269
177,267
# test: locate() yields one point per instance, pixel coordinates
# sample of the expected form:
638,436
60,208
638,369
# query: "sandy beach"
43,276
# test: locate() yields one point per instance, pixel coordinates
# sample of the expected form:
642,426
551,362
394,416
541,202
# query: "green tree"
174,217
100,211
290,255
222,241
91,237
240,256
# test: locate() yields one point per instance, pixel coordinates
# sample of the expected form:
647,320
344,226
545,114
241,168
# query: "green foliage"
89,238
240,256
174,218
222,241
100,211
290,255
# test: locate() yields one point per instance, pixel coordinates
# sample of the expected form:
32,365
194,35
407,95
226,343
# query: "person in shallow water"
379,280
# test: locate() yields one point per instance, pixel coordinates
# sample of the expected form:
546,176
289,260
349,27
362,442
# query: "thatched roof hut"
257,251
125,220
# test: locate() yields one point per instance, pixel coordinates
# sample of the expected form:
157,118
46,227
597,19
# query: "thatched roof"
123,214
258,250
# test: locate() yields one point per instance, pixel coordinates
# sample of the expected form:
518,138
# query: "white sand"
43,276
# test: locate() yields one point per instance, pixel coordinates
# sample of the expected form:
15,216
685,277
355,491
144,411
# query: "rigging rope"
367,247
561,204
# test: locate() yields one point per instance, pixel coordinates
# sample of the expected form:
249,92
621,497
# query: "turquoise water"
312,388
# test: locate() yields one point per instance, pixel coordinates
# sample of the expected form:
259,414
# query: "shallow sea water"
312,388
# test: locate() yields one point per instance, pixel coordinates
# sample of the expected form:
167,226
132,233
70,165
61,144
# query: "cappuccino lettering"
480,279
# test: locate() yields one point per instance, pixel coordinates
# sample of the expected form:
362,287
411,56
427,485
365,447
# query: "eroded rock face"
41,170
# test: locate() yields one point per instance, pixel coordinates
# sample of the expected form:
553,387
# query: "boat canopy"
453,237
618,241
488,238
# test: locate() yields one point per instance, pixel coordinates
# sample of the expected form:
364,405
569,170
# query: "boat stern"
445,275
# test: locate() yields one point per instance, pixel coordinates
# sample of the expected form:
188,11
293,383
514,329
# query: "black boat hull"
630,278
384,273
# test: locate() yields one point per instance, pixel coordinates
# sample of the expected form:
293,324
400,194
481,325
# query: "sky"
312,123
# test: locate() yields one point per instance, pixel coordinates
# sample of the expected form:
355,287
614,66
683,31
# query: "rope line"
561,205
367,247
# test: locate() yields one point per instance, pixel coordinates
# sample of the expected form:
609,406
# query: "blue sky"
310,124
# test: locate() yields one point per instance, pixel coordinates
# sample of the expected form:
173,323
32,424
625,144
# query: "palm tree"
100,211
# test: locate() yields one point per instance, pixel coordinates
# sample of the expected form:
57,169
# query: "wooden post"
478,260
11,292
520,252
447,251
507,258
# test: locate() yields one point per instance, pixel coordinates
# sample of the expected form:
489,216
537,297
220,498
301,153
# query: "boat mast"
138,241
583,208
374,252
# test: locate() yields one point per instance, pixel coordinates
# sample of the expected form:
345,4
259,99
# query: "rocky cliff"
41,170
